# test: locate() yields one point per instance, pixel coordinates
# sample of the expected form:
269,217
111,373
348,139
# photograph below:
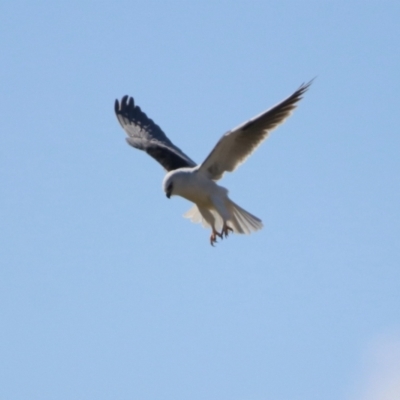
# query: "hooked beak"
168,192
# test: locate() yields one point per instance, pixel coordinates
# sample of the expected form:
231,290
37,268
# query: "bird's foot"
225,231
213,237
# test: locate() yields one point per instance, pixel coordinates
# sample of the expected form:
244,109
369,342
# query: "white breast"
196,187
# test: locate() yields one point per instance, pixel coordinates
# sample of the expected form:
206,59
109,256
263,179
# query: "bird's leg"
225,230
213,237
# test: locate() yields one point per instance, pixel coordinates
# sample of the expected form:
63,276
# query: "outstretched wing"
144,134
236,145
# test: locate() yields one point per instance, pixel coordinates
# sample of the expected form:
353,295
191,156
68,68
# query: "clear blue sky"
106,292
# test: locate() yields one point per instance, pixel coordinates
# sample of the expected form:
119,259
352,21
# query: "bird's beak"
168,194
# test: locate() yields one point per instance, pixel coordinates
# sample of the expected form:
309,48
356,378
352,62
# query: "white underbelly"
202,193
198,197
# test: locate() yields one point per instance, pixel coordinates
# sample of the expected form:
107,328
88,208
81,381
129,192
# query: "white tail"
240,220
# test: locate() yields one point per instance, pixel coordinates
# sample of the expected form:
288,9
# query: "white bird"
197,183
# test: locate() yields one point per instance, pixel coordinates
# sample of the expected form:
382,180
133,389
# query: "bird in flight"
197,182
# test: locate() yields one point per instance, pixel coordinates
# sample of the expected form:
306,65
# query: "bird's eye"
169,188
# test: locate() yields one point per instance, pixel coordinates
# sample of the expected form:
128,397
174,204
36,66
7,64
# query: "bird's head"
168,185
176,182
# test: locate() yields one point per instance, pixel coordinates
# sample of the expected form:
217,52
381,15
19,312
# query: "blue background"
107,293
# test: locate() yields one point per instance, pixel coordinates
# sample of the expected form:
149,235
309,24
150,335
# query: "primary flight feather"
196,183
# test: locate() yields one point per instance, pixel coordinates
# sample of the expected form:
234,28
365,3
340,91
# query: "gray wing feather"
236,145
144,134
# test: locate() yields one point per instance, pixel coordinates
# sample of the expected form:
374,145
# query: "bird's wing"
236,145
145,135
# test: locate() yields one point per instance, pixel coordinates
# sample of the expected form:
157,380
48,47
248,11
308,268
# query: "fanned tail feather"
240,220
194,215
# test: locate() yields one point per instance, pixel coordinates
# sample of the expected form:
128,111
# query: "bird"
198,182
